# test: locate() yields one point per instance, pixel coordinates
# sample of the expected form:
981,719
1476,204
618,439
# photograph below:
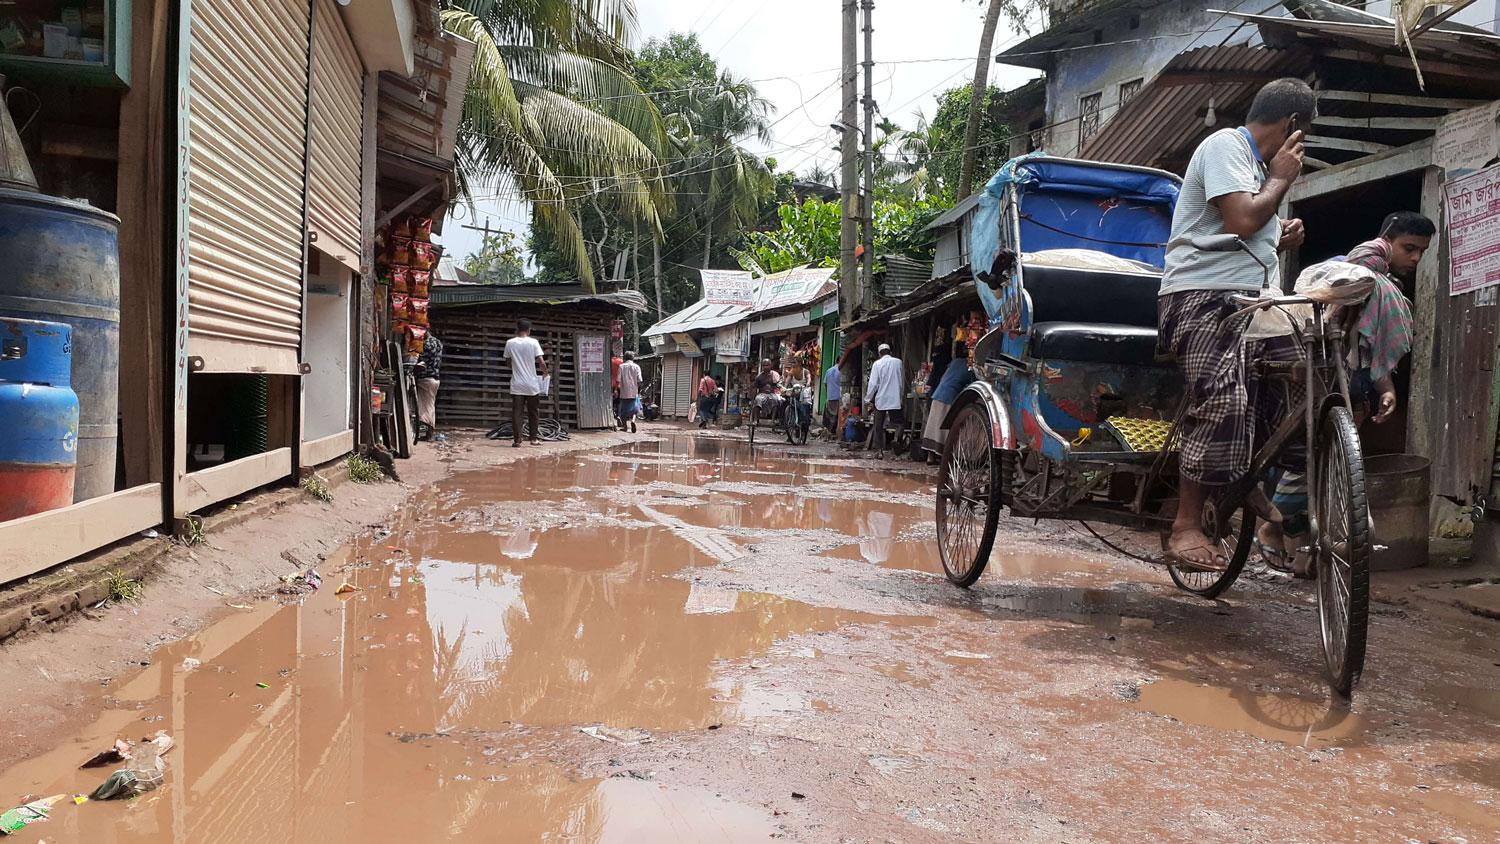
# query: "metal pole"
867,200
849,178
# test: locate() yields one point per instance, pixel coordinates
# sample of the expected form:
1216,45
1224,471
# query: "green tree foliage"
943,139
498,260
809,234
553,107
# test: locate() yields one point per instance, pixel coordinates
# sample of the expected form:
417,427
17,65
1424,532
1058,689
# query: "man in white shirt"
629,404
885,391
527,368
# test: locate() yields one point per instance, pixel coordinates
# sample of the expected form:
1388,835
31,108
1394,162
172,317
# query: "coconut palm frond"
603,87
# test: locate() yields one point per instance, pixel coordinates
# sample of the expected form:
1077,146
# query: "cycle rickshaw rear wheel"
968,496
1342,514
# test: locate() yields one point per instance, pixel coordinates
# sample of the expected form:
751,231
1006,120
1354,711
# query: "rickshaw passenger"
1235,181
1383,337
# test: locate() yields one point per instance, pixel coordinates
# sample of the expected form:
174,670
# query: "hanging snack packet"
418,310
416,335
420,283
421,229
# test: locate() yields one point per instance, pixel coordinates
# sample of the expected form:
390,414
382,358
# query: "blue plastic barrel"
59,262
39,414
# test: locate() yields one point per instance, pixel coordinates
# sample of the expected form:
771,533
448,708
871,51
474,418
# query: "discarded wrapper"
345,588
615,735
18,818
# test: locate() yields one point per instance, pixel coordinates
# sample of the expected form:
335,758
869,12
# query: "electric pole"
849,176
867,198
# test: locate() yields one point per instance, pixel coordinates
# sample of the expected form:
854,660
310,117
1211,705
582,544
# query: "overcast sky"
790,49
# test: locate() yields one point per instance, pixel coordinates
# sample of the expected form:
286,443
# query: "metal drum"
61,264
39,414
1399,487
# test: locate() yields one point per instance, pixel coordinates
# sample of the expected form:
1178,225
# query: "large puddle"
504,610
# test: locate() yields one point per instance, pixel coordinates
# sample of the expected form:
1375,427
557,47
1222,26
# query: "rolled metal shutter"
335,115
248,135
676,385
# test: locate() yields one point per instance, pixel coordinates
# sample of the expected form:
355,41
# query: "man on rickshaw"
1235,182
768,400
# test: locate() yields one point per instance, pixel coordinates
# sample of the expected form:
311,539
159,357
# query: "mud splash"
505,610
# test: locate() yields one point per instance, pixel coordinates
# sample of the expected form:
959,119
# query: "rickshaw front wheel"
968,496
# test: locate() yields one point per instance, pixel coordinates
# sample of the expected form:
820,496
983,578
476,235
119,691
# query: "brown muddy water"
504,611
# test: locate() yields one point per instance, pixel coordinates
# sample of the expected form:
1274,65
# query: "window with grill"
1088,117
1128,90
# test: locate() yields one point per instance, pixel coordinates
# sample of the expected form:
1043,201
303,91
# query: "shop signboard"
733,342
793,287
1474,231
728,287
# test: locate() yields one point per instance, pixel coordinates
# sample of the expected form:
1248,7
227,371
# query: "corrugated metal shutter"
676,385
248,132
334,119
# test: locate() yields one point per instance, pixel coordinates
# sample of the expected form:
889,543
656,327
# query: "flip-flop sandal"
1276,559
1176,558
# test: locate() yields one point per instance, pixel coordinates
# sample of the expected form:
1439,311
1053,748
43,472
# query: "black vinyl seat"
1094,342
1093,316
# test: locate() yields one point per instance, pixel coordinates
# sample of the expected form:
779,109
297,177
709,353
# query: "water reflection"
458,638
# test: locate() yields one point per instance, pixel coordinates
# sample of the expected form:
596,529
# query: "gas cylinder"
39,415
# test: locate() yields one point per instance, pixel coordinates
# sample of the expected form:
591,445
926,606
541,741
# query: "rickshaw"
1074,416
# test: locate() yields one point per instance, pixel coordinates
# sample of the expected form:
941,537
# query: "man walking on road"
527,368
1229,188
885,391
630,392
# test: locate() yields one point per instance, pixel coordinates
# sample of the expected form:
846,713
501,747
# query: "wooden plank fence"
475,389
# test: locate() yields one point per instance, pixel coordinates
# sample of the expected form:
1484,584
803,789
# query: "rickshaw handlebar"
1251,303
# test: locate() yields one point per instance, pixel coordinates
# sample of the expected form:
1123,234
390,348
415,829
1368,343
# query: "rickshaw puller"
1229,188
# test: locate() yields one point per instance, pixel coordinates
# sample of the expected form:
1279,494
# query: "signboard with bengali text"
728,287
1473,206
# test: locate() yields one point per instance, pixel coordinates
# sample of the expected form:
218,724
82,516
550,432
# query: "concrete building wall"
1132,48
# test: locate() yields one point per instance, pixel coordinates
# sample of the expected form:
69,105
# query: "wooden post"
142,188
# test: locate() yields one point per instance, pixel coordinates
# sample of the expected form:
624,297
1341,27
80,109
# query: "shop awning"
960,293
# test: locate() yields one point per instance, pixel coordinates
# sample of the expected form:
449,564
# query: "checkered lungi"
1222,425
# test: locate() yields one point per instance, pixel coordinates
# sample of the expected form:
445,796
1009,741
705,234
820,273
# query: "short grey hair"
1278,100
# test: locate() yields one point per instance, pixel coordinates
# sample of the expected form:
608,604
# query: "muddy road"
686,641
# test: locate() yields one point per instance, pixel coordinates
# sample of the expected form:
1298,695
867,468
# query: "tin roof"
460,295
1465,46
1165,121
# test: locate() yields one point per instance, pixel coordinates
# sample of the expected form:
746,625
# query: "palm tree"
551,106
707,127
976,99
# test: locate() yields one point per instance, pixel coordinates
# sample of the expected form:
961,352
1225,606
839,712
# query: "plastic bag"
420,280
399,305
400,280
417,308
423,256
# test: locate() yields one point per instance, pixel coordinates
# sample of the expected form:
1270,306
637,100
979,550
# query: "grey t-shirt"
1224,163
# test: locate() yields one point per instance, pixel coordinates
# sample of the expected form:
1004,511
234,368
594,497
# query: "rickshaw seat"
1094,342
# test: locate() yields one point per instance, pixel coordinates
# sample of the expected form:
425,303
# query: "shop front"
206,262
